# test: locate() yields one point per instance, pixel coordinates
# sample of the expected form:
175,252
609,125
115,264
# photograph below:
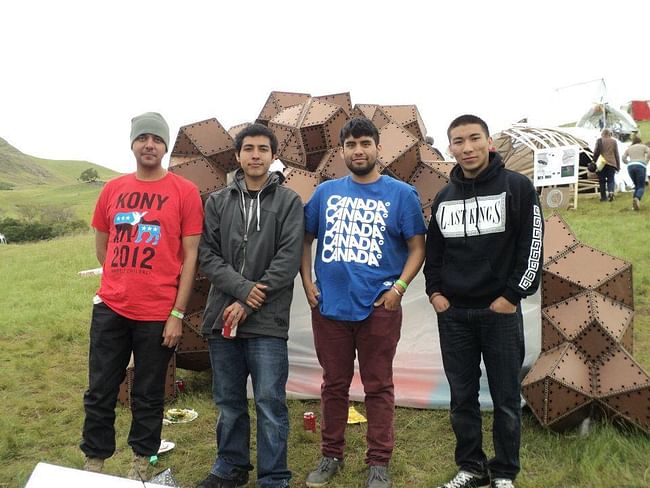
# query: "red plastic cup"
309,421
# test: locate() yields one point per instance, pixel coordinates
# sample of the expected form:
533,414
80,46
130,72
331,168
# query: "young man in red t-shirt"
147,229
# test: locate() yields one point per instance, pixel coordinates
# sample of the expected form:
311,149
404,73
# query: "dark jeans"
266,360
112,338
606,180
465,336
637,173
375,340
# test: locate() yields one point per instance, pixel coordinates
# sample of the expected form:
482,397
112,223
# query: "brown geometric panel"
586,266
209,139
192,351
426,213
408,117
343,100
555,288
619,287
205,175
428,182
442,167
365,110
428,153
592,322
236,129
558,238
277,102
332,165
399,151
633,405
199,295
558,387
303,182
618,372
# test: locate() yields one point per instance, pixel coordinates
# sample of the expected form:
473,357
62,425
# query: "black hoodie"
474,257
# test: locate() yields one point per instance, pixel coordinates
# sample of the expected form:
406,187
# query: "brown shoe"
139,468
94,465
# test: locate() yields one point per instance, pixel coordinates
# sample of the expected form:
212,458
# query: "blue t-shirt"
362,231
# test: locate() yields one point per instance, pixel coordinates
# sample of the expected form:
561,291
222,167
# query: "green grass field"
44,324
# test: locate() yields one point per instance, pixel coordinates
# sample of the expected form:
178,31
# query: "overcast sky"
73,73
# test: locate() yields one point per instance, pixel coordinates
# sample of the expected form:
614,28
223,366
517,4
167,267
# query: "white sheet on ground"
418,373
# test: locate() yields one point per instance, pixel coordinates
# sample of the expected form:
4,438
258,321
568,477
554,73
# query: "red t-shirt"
145,221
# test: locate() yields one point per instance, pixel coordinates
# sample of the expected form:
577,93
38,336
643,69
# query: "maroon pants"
337,342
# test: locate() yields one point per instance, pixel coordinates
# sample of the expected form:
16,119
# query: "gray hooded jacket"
247,241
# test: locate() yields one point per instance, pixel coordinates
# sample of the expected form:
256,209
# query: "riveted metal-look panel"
380,119
428,153
332,165
318,113
202,173
551,336
586,266
304,183
184,146
428,182
193,360
555,288
366,110
208,136
277,102
199,295
618,372
289,117
615,317
426,213
558,238
633,405
573,371
404,167
442,167
293,153
395,142
236,129
343,100
176,160
619,287
562,401
545,365
593,341
571,316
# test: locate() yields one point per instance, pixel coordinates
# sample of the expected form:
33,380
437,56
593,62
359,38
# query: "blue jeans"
606,180
637,173
112,338
265,359
465,336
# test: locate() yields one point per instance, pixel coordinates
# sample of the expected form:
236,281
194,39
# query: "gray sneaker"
94,465
327,468
378,477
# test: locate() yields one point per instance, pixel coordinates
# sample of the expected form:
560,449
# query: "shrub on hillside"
4,185
17,231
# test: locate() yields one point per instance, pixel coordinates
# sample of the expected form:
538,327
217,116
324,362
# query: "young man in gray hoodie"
250,251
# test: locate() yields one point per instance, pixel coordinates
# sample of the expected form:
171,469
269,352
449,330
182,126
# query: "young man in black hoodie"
250,251
483,255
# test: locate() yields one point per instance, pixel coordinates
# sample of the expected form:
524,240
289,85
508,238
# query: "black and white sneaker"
502,483
465,479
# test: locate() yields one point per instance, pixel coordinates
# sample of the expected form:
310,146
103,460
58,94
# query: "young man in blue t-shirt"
370,232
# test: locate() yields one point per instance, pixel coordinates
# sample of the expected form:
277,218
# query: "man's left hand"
390,300
172,332
502,305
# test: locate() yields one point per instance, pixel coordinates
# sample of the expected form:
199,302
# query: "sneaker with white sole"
502,483
326,469
465,479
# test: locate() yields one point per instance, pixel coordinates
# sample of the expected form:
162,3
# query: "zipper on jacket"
247,218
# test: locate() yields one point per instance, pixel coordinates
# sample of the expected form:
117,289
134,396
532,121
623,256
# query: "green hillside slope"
44,182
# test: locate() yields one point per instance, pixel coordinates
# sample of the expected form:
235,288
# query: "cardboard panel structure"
586,365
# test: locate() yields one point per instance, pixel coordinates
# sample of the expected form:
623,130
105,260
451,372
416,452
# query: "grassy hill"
46,182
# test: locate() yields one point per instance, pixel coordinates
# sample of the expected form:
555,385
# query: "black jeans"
465,336
112,338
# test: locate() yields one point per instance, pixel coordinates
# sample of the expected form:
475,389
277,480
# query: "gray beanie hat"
150,123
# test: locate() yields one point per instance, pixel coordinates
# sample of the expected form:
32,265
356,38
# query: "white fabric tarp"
418,373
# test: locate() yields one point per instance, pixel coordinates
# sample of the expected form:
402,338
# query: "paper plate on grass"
166,446
179,416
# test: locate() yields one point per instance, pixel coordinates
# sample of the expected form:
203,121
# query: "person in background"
637,156
147,229
607,147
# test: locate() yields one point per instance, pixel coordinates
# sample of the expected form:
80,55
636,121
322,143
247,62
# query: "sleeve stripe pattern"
534,258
